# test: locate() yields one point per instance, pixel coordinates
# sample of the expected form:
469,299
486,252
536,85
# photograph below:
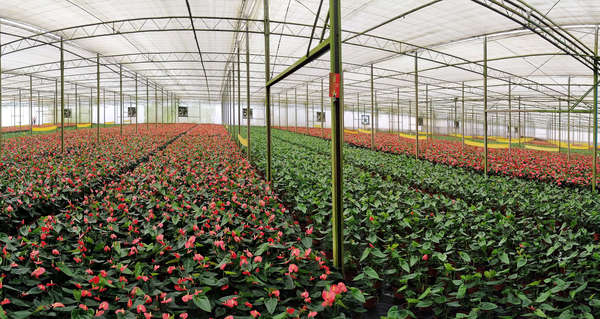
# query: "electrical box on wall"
131,111
182,111
245,113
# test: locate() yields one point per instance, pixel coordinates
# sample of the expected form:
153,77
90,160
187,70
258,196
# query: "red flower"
232,302
254,314
38,272
425,257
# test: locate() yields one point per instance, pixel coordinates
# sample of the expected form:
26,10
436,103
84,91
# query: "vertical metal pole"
55,102
76,109
62,97
427,112
104,107
295,111
595,161
559,123
485,100
520,129
239,93
417,105
248,88
1,141
569,120
358,105
267,30
98,98
337,137
509,118
155,106
462,124
323,112
136,104
372,113
306,107
121,99
147,116
30,105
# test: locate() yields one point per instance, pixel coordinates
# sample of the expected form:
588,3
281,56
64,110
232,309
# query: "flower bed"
522,163
466,248
191,232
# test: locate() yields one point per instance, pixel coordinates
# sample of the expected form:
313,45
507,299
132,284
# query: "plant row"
191,232
439,255
536,165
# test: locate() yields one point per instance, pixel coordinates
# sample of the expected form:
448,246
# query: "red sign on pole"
334,85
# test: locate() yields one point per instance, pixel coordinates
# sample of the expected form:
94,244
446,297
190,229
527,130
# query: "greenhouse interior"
241,159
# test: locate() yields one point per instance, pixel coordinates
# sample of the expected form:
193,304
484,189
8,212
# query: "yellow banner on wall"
84,125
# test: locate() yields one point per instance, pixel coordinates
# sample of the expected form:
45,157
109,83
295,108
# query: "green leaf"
521,262
567,314
543,296
425,293
465,256
595,303
357,294
271,304
461,291
365,254
487,306
371,273
202,302
538,312
405,266
504,258
2,313
424,304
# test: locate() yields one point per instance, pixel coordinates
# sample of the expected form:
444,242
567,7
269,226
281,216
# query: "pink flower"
38,272
254,313
55,252
257,259
58,305
328,297
292,268
425,257
220,244
165,316
103,305
187,298
232,302
312,314
190,242
183,315
141,308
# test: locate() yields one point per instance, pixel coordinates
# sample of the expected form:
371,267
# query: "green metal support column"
416,105
337,137
239,93
323,112
372,112
306,107
30,105
595,160
155,106
62,97
427,113
485,101
76,108
569,120
98,98
147,116
521,131
295,111
559,122
55,102
358,105
136,104
121,99
462,124
248,88
267,31
1,141
509,118
162,106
